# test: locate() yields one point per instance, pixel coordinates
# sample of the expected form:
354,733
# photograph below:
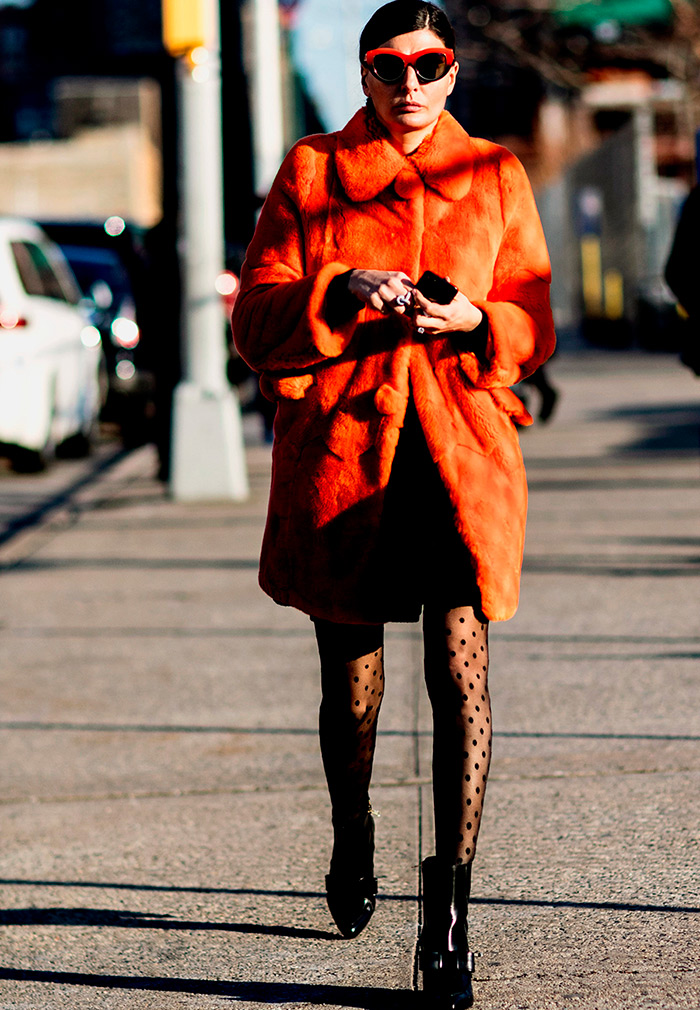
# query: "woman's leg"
352,680
352,685
456,674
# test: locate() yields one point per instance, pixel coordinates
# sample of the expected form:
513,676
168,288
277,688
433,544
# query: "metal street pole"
265,75
208,460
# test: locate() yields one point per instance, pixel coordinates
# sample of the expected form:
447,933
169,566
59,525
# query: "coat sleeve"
520,328
278,319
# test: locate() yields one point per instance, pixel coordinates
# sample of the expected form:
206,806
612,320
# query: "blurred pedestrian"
398,484
164,320
549,396
683,276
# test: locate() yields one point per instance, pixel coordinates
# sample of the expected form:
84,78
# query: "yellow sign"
184,25
592,275
613,287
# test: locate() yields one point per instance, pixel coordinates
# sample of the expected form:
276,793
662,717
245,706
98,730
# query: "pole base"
208,459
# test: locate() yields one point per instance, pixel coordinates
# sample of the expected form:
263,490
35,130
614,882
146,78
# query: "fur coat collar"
367,163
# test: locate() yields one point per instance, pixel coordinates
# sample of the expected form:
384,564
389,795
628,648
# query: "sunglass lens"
431,67
387,67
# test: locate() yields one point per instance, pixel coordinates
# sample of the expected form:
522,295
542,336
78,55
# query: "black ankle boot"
351,887
444,955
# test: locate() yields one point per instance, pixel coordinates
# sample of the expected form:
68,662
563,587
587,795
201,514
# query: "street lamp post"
208,460
263,67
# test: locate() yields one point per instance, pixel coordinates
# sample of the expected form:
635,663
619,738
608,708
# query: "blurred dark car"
111,266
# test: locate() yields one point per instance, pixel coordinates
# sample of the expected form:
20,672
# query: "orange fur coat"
459,206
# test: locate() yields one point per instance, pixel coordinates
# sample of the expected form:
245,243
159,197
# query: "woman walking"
398,485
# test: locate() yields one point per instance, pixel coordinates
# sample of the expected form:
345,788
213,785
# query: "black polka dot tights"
352,684
456,674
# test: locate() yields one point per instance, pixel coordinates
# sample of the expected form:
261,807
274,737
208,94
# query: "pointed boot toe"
351,902
351,887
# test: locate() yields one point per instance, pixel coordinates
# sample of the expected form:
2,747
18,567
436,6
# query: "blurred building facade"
106,159
600,100
88,91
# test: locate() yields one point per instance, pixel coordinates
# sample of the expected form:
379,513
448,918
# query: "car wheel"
81,444
24,460
76,446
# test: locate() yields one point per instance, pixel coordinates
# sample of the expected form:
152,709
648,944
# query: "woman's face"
409,109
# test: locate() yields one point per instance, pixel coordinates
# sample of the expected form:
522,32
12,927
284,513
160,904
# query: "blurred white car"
51,370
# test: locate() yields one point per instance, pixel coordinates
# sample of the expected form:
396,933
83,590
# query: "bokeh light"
125,370
90,336
114,226
226,283
125,332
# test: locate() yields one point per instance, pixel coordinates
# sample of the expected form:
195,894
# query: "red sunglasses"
389,65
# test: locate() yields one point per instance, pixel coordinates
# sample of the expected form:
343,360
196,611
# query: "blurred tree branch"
687,35
510,36
528,34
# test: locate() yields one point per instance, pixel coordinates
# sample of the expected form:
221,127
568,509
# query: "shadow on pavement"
62,497
151,564
251,992
143,920
35,916
621,567
672,426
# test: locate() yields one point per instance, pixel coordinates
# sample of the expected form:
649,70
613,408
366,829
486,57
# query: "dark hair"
401,17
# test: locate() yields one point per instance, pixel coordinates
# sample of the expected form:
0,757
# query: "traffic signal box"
184,25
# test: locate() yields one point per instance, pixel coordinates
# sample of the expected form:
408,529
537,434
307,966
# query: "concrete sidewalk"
165,830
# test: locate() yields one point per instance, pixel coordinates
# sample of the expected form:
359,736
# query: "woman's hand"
385,290
459,315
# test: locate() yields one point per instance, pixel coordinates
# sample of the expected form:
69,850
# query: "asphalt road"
165,827
25,499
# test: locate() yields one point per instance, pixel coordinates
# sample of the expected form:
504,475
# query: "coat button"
388,400
408,184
